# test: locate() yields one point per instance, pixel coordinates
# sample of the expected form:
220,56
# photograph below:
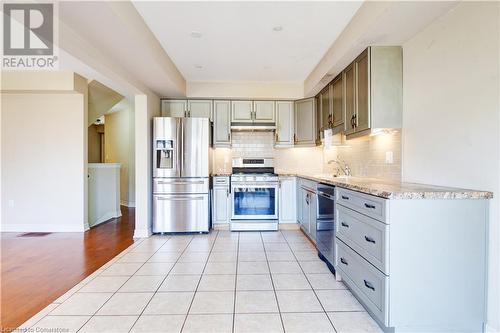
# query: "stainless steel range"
254,195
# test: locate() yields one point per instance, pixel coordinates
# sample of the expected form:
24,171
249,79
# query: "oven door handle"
324,195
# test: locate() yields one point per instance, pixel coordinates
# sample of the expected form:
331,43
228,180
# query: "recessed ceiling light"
277,28
198,66
196,34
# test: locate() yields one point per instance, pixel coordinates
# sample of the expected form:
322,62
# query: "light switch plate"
389,157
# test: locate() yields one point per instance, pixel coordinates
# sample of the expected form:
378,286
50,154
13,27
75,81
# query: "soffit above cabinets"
246,41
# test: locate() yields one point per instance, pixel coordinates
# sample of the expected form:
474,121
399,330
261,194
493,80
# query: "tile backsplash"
366,155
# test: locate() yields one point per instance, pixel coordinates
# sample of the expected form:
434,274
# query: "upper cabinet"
242,111
325,108
253,111
305,122
174,108
198,108
195,108
263,111
284,124
222,124
366,95
337,114
375,82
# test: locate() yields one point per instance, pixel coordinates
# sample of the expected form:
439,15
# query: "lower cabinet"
410,263
221,201
308,207
287,200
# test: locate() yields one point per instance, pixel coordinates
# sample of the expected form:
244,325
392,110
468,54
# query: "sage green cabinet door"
338,102
264,111
350,102
200,108
326,107
362,92
284,124
222,124
221,209
174,108
242,111
305,122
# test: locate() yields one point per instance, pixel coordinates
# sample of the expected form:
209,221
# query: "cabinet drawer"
368,283
221,181
365,235
180,185
365,204
308,184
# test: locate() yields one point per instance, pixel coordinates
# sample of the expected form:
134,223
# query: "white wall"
248,90
451,114
145,108
43,162
119,148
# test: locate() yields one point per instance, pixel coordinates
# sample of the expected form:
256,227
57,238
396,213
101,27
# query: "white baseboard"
43,227
142,233
490,329
105,217
220,226
130,204
289,226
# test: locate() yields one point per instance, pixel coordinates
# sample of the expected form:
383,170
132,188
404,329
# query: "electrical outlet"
389,157
11,203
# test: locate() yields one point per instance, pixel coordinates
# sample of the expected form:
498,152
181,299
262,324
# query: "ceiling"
238,40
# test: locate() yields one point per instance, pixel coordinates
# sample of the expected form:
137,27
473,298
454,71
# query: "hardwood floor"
37,270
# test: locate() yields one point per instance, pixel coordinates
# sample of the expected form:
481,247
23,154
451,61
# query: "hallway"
36,269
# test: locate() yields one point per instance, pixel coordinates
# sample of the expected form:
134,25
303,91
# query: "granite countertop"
396,190
220,174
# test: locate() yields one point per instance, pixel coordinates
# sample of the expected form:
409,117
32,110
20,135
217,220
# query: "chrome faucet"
342,167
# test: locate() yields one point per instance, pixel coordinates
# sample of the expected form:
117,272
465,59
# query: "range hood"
253,127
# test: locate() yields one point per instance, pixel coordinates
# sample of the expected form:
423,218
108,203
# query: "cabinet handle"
369,240
354,123
344,225
369,206
369,285
345,197
228,136
342,260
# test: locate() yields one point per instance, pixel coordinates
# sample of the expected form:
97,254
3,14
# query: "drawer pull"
369,285
369,240
345,197
369,206
344,224
342,260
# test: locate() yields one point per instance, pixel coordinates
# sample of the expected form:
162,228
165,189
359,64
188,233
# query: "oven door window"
255,202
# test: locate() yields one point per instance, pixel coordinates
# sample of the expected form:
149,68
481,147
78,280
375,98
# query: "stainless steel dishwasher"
325,224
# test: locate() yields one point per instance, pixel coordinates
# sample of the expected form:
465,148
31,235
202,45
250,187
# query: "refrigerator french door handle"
181,171
179,147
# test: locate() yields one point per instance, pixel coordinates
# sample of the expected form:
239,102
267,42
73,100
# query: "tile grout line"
114,293
199,281
313,290
272,283
235,281
162,281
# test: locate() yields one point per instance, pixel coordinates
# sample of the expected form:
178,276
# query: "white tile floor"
220,282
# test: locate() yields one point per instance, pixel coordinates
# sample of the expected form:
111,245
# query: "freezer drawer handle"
369,240
345,197
182,183
369,206
180,198
342,260
344,224
369,285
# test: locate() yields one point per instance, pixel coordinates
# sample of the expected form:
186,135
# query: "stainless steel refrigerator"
181,174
